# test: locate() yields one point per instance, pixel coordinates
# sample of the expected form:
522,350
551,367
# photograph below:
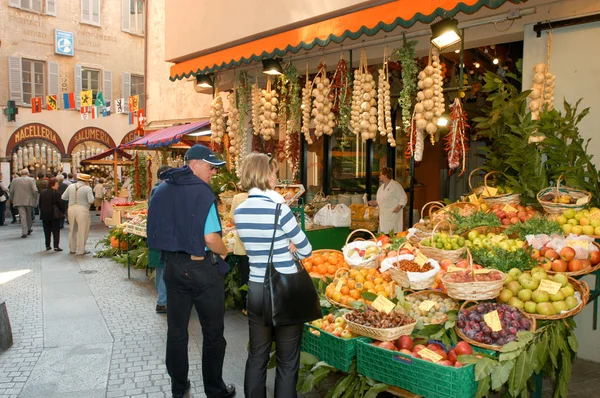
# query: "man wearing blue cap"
184,224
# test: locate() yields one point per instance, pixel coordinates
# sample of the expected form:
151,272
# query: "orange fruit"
355,294
344,300
353,272
345,290
337,296
318,260
322,269
378,281
331,269
333,260
364,271
308,266
368,285
379,288
359,286
372,271
351,284
359,278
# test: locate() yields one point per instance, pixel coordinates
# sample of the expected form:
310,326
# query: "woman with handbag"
52,210
281,295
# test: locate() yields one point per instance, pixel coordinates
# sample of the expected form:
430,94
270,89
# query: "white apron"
387,200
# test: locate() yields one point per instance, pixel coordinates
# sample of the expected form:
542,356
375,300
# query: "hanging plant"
408,60
457,142
364,102
342,98
384,105
289,89
431,97
242,92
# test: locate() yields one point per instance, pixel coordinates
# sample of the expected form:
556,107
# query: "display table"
107,210
327,237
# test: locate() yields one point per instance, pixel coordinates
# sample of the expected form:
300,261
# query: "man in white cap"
80,197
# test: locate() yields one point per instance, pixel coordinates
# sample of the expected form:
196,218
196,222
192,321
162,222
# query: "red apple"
458,364
407,352
452,355
388,345
594,257
551,254
567,253
575,265
586,263
463,348
446,362
418,348
559,266
547,265
535,254
505,221
330,318
405,342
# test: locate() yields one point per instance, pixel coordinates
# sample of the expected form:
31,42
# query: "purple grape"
510,338
481,308
479,337
503,333
476,327
470,334
466,312
487,340
515,324
525,324
461,324
500,341
513,331
487,330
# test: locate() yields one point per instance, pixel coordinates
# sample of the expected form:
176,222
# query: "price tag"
473,198
421,259
509,208
496,238
339,285
549,286
383,305
581,201
427,353
426,305
482,271
581,243
493,321
490,191
408,246
454,269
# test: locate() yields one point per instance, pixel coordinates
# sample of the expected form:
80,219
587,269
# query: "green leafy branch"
535,226
501,259
478,219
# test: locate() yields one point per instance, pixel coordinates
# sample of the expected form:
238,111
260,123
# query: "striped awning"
166,137
385,17
111,152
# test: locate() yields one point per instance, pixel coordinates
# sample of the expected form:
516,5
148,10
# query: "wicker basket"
427,293
505,199
473,290
401,278
557,208
373,262
478,190
388,334
488,346
484,230
580,286
441,254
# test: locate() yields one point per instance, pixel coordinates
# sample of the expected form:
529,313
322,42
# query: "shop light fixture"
272,67
457,51
204,81
477,64
442,122
495,61
200,133
445,33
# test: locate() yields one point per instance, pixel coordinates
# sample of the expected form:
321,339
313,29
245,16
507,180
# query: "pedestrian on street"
41,183
13,209
23,194
62,187
154,260
254,220
4,196
80,198
52,211
184,224
98,195
66,177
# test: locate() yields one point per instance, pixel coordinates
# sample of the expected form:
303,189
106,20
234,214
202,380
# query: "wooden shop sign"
33,131
91,134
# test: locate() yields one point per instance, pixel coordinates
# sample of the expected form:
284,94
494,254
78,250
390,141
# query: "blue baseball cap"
200,152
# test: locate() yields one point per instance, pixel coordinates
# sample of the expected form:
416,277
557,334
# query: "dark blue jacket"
177,212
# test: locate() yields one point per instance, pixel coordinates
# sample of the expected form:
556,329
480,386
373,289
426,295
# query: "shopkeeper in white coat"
391,199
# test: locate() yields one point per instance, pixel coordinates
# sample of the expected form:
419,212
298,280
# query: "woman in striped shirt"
254,221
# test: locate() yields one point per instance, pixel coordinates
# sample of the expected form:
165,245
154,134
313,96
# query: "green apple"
541,275
588,230
504,245
525,295
509,278
560,306
530,307
597,230
567,228
559,296
561,220
529,282
473,235
545,309
571,302
540,297
515,272
579,215
505,295
520,244
514,287
573,221
515,302
585,212
569,213
562,279
577,230
595,222
486,243
568,291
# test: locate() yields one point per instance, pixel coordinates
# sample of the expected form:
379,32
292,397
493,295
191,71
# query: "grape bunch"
471,323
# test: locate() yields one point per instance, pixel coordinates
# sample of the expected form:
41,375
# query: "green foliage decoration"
408,60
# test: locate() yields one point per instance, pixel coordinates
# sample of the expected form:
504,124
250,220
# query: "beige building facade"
52,48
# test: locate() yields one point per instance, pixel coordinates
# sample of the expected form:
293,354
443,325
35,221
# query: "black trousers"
195,283
2,210
52,227
287,350
244,276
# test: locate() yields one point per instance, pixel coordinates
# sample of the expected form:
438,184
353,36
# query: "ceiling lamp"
445,33
204,81
495,61
272,67
477,64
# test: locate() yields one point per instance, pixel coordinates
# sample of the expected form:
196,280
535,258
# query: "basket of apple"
573,256
362,253
583,222
443,246
544,296
511,215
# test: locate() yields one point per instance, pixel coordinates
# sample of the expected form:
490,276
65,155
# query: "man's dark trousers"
192,282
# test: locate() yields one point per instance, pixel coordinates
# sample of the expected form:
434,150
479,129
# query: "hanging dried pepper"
149,176
137,185
457,143
292,147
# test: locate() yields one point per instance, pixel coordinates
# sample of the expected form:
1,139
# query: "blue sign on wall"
63,42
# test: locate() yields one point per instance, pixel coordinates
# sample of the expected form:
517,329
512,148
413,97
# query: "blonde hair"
256,170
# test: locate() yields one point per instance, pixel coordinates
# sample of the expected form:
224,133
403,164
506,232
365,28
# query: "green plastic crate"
310,343
413,374
334,350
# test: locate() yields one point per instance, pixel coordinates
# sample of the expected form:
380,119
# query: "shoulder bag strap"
267,308
277,211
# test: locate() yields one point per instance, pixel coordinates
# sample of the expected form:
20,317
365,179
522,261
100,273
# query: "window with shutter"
15,80
137,88
14,3
53,78
27,5
32,73
125,15
96,11
107,85
126,89
77,86
51,7
90,11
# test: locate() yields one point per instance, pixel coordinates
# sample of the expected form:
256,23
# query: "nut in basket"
379,325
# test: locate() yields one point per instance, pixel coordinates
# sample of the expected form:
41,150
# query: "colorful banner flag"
132,117
140,118
84,110
99,99
36,104
106,109
86,98
120,105
69,101
134,103
52,102
95,112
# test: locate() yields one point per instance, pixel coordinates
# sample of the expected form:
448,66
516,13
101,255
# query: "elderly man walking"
80,198
23,194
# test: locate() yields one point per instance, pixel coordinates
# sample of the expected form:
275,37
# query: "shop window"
33,80
137,88
90,11
133,16
90,80
348,164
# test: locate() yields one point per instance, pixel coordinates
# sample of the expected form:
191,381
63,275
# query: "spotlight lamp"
204,81
272,67
445,33
496,61
477,64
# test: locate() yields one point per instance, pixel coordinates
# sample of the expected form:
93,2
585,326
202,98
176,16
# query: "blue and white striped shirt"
254,223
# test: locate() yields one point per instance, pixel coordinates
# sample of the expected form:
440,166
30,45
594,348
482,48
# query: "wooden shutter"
15,78
95,11
14,3
85,11
107,86
78,86
125,13
53,78
126,90
51,7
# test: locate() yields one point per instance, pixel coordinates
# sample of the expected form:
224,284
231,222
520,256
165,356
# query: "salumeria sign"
91,134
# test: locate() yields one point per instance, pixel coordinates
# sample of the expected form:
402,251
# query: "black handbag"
292,298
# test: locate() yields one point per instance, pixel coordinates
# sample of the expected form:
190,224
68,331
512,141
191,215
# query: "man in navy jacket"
184,224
